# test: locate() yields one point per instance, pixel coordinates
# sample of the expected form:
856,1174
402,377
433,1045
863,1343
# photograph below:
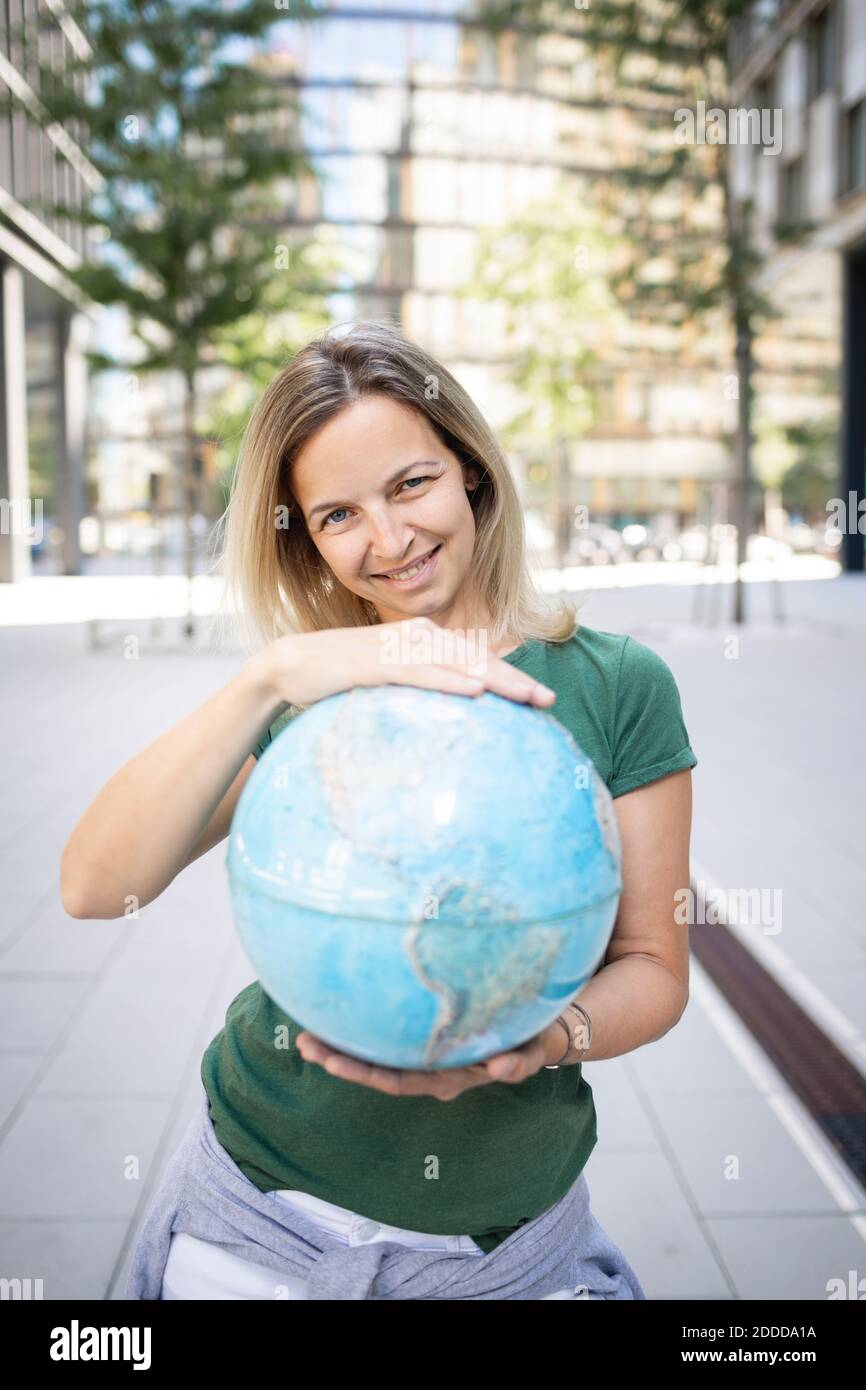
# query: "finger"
377,1079
446,1084
451,1089
504,679
349,1068
440,678
391,1080
520,687
532,1055
506,1067
519,1063
314,1049
332,1061
433,1083
454,1082
512,685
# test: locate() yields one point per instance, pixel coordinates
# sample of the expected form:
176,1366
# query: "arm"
170,803
175,800
643,987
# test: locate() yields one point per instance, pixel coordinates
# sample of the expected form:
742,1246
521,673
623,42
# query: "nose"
390,541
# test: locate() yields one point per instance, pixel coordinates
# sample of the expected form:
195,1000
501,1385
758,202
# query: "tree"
545,269
257,345
669,55
805,485
186,136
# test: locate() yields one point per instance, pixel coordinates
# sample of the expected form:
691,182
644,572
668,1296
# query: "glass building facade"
42,378
425,131
809,223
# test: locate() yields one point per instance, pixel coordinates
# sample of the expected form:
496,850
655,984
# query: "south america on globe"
423,879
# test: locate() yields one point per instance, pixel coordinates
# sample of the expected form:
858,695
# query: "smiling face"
379,490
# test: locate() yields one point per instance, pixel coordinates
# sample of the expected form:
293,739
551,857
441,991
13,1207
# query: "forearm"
136,835
632,1001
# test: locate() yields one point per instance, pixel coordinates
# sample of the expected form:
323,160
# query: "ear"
471,477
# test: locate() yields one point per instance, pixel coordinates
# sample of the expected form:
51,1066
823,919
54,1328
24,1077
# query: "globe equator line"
403,922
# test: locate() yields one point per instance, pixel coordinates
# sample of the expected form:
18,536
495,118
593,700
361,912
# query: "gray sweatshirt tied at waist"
204,1194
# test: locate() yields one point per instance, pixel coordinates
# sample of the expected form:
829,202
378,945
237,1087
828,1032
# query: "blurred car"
802,537
595,544
539,536
767,548
694,543
828,540
37,537
44,537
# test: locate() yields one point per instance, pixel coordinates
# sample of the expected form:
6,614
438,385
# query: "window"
764,12
822,52
791,207
764,93
854,147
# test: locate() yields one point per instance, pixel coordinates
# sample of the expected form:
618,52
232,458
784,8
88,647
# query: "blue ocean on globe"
421,878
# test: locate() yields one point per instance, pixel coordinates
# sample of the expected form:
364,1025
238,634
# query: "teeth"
410,572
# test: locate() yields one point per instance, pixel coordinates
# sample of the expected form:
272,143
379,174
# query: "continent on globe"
421,878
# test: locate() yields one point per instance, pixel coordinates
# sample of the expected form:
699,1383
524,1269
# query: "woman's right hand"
308,666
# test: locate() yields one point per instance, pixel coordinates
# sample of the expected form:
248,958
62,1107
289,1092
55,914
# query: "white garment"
198,1269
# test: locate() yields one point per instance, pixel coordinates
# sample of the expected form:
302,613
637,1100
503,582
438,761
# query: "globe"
421,878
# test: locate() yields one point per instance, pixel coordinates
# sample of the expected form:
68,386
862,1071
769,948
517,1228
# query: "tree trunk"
737,223
190,491
743,486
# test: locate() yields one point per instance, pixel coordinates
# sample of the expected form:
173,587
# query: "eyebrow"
395,477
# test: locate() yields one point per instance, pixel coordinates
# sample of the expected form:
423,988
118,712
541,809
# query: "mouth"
415,574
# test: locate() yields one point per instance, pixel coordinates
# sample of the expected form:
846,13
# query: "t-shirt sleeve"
649,738
278,725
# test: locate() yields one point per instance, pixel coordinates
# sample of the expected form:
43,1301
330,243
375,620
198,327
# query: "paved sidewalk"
102,1024
778,804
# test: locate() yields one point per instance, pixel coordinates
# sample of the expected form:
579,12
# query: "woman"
307,1173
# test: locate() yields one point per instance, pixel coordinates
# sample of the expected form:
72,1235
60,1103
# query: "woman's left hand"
513,1066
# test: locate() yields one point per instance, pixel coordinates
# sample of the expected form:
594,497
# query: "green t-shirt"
499,1155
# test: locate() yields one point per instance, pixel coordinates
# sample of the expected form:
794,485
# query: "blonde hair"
275,578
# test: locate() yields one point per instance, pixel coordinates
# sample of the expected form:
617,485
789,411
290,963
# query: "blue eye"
421,478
